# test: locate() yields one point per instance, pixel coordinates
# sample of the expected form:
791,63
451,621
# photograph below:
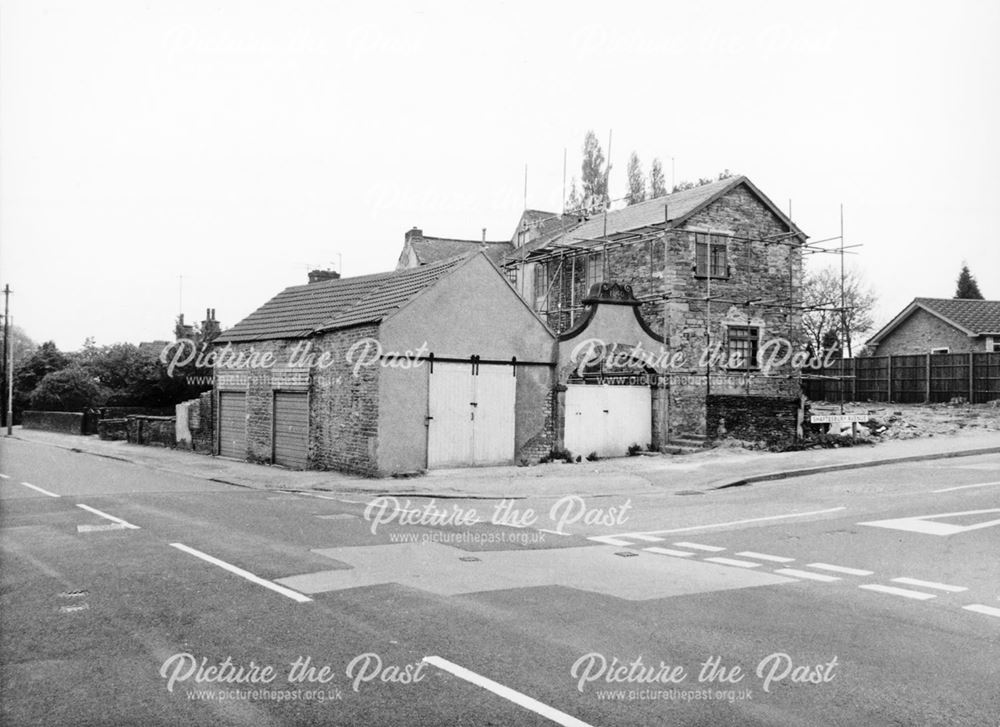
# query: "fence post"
927,395
972,356
888,382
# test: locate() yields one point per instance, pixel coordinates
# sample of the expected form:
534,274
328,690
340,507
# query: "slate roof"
432,249
972,317
672,209
304,310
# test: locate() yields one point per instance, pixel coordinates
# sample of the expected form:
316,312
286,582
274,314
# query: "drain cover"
469,558
73,594
689,492
627,553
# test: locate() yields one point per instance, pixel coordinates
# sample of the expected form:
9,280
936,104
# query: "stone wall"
751,417
152,430
53,421
112,429
921,332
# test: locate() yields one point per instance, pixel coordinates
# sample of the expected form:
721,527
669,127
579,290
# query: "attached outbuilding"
436,366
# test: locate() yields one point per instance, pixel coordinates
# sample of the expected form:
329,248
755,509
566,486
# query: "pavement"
717,468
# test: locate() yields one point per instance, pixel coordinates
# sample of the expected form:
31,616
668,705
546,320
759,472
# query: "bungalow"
940,325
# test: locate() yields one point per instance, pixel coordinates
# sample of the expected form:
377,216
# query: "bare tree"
824,324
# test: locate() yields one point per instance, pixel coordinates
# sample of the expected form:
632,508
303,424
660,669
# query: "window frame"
712,241
752,341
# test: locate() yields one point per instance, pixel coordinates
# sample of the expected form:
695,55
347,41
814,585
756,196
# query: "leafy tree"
574,202
593,174
636,183
70,389
657,184
825,327
682,185
44,360
126,371
967,288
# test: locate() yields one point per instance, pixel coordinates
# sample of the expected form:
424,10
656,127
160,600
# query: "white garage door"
471,415
233,424
607,419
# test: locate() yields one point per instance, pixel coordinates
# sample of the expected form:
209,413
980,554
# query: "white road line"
930,584
522,700
647,538
736,522
988,610
39,489
795,573
733,562
696,546
668,551
610,540
765,556
904,592
294,595
967,487
112,518
554,532
840,569
4,477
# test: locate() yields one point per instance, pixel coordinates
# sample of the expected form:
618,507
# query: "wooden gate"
471,415
607,419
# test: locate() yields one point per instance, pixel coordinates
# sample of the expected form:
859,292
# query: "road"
135,597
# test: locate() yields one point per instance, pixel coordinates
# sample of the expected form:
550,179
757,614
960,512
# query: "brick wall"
921,332
751,417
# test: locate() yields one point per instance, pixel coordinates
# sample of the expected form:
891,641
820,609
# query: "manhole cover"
73,594
469,558
627,553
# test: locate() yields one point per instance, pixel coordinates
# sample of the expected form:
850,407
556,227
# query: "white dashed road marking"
294,595
553,532
610,540
668,551
892,591
929,584
795,573
647,538
112,518
988,610
967,487
696,546
733,562
4,477
39,489
522,700
765,556
840,569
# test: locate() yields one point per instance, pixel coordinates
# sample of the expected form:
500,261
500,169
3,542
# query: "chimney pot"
318,276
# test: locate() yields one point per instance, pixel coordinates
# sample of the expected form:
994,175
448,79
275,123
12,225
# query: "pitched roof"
432,249
303,310
972,317
672,209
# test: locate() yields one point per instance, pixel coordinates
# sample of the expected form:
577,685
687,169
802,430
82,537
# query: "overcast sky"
238,144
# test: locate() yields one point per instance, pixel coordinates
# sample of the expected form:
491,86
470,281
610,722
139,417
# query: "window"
541,285
939,350
512,276
742,347
992,344
710,256
595,270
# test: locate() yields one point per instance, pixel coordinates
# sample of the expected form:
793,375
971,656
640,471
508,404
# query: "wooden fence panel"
985,377
909,379
871,381
949,376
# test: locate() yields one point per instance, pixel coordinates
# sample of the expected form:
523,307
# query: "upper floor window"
512,276
741,346
595,269
711,256
944,349
541,286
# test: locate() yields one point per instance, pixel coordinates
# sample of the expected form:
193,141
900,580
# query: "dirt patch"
909,421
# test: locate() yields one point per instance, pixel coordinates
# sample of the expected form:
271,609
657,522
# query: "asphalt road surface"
134,597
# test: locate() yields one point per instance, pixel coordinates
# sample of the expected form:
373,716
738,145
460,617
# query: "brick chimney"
318,276
210,327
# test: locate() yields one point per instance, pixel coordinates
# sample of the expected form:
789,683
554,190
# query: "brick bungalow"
941,325
434,366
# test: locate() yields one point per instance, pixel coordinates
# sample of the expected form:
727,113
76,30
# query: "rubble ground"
909,421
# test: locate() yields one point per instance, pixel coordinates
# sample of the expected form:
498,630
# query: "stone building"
714,272
940,325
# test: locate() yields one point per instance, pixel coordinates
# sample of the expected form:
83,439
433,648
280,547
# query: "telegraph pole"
8,360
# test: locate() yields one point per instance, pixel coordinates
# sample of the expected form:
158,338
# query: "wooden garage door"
607,419
233,424
472,415
291,429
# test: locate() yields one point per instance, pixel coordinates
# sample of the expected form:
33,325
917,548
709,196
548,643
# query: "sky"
159,157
